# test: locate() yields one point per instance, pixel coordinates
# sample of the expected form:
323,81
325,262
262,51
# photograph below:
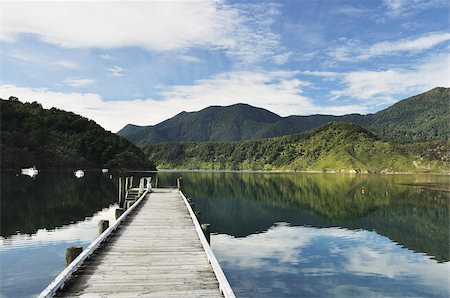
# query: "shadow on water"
51,199
241,204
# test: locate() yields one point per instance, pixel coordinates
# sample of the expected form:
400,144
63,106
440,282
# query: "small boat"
78,173
30,172
105,170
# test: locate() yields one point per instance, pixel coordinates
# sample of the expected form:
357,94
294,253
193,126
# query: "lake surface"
274,234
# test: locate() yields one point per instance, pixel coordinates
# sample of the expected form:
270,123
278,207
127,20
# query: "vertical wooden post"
120,191
205,228
126,183
119,212
72,253
156,182
102,226
179,184
141,186
129,204
131,182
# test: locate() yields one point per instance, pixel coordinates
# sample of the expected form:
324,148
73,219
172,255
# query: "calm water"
275,235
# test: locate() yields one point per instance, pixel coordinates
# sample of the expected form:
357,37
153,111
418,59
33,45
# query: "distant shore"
302,171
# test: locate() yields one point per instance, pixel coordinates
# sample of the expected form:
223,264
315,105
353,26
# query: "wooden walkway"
156,252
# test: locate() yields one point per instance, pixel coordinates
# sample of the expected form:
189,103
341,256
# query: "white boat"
104,170
78,173
30,171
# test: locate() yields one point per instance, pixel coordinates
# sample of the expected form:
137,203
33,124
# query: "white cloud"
106,57
241,31
282,58
351,11
401,8
287,250
382,86
115,71
41,59
354,51
78,82
277,91
377,88
189,58
85,231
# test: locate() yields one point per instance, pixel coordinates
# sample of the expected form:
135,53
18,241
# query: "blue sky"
145,61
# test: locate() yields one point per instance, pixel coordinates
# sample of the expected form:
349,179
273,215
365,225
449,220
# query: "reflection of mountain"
241,204
52,199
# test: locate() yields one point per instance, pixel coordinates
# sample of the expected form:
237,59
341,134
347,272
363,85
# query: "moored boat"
30,171
79,173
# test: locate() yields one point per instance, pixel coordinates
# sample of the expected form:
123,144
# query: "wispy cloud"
402,8
78,82
385,86
41,59
351,11
243,32
106,57
189,58
354,51
115,71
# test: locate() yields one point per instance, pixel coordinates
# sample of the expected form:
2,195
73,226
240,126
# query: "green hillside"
421,117
333,147
31,135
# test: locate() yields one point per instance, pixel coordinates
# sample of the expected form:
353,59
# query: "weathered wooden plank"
156,252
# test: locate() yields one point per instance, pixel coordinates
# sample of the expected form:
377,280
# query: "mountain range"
421,117
333,147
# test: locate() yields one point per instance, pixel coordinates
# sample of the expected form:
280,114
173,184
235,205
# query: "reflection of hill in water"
241,204
52,199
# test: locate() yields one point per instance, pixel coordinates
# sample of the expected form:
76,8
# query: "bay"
274,234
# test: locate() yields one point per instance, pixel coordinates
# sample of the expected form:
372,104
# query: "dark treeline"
31,135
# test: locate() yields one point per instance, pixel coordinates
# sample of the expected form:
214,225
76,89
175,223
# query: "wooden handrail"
65,275
224,286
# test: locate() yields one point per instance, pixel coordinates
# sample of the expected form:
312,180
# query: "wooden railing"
224,286
60,281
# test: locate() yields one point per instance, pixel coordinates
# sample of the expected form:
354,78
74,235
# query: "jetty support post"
119,212
120,191
131,182
72,253
127,180
103,225
205,229
156,182
179,183
141,186
149,183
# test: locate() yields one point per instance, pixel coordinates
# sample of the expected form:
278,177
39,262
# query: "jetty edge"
73,276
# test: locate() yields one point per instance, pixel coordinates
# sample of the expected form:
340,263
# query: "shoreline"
302,171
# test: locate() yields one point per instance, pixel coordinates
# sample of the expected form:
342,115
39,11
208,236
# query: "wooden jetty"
155,249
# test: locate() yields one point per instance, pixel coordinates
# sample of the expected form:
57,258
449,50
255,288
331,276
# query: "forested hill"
31,135
335,146
421,117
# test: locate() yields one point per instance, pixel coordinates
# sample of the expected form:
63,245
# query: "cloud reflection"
333,261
